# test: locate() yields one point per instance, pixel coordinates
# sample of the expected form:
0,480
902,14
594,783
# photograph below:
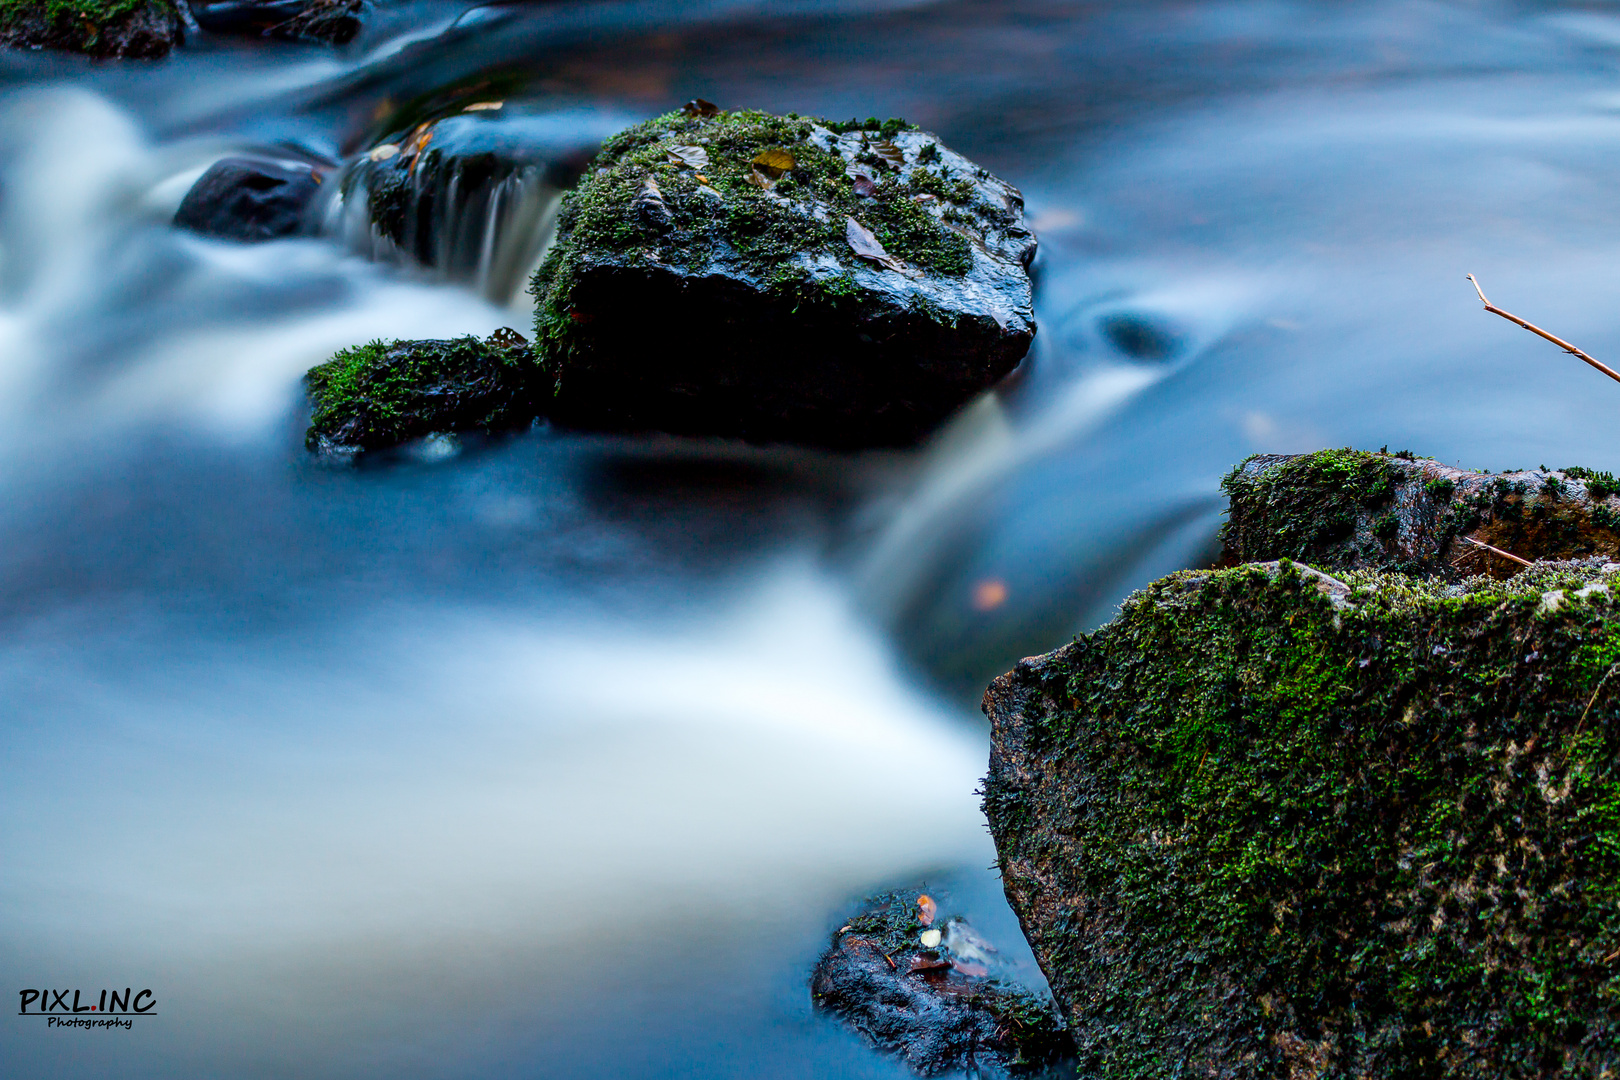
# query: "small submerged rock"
106,29
924,988
1352,509
250,199
781,279
386,393
335,22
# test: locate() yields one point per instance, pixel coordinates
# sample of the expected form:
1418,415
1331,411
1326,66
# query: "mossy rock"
939,1010
705,281
134,29
1268,823
1353,509
385,393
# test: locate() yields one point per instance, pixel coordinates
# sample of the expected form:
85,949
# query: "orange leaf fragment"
926,908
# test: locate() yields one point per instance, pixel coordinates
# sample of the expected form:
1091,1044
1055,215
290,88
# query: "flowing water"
559,755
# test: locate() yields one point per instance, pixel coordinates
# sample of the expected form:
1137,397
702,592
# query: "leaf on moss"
699,107
689,157
506,338
774,163
864,186
930,938
889,152
866,246
650,204
760,180
926,909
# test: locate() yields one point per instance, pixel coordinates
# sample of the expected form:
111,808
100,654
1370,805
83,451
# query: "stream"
560,755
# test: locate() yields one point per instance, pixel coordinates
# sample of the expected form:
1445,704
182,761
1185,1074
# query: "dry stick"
1496,550
1558,341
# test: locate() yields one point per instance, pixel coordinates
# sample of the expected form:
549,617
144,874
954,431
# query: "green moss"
384,393
1306,505
76,13
1276,838
1599,485
727,217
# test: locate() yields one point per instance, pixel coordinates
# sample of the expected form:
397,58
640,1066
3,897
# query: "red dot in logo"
92,1008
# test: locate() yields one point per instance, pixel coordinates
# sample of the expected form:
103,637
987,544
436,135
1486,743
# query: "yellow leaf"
774,163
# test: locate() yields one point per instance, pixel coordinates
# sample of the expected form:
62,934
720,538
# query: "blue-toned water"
559,756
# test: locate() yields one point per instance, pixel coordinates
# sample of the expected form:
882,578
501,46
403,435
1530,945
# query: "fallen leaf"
976,971
384,152
926,909
889,152
864,187
699,107
774,163
760,180
484,106
924,198
689,157
927,962
930,939
506,338
843,929
702,179
866,246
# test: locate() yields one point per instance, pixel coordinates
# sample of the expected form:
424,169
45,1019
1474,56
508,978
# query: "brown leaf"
774,163
864,187
889,152
866,246
506,338
927,962
760,180
650,204
689,157
484,106
926,909
972,970
699,107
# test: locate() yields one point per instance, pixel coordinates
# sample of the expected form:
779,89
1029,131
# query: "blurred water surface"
557,755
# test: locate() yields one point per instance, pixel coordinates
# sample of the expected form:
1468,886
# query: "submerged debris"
928,995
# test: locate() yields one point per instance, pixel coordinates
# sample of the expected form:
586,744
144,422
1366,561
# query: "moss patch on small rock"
1265,826
142,29
385,393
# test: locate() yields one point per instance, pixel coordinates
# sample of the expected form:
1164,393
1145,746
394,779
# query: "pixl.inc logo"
111,1010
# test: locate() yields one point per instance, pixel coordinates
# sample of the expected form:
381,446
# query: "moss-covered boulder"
386,393
1272,824
136,29
926,988
1352,509
781,279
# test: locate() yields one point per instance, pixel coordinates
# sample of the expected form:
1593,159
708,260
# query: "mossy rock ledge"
1276,823
388,392
127,29
781,279
1353,509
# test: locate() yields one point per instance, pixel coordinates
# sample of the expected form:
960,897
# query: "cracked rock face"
782,279
1280,824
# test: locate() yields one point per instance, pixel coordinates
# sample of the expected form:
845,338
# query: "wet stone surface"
250,200
926,987
106,29
782,279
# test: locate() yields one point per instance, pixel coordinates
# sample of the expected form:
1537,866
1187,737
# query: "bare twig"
1538,331
1496,550
1593,700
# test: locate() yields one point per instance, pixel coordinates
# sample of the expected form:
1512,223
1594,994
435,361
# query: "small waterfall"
470,199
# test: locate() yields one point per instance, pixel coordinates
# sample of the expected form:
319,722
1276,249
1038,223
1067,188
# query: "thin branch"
1558,341
1496,550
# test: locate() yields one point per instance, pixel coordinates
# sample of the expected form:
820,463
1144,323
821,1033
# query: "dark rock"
936,1008
123,29
250,199
465,195
333,21
764,298
386,393
1350,509
1269,824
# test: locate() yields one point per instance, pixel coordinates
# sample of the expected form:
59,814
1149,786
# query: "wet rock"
386,393
1270,825
1351,509
782,279
335,22
123,29
250,199
466,195
937,1006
